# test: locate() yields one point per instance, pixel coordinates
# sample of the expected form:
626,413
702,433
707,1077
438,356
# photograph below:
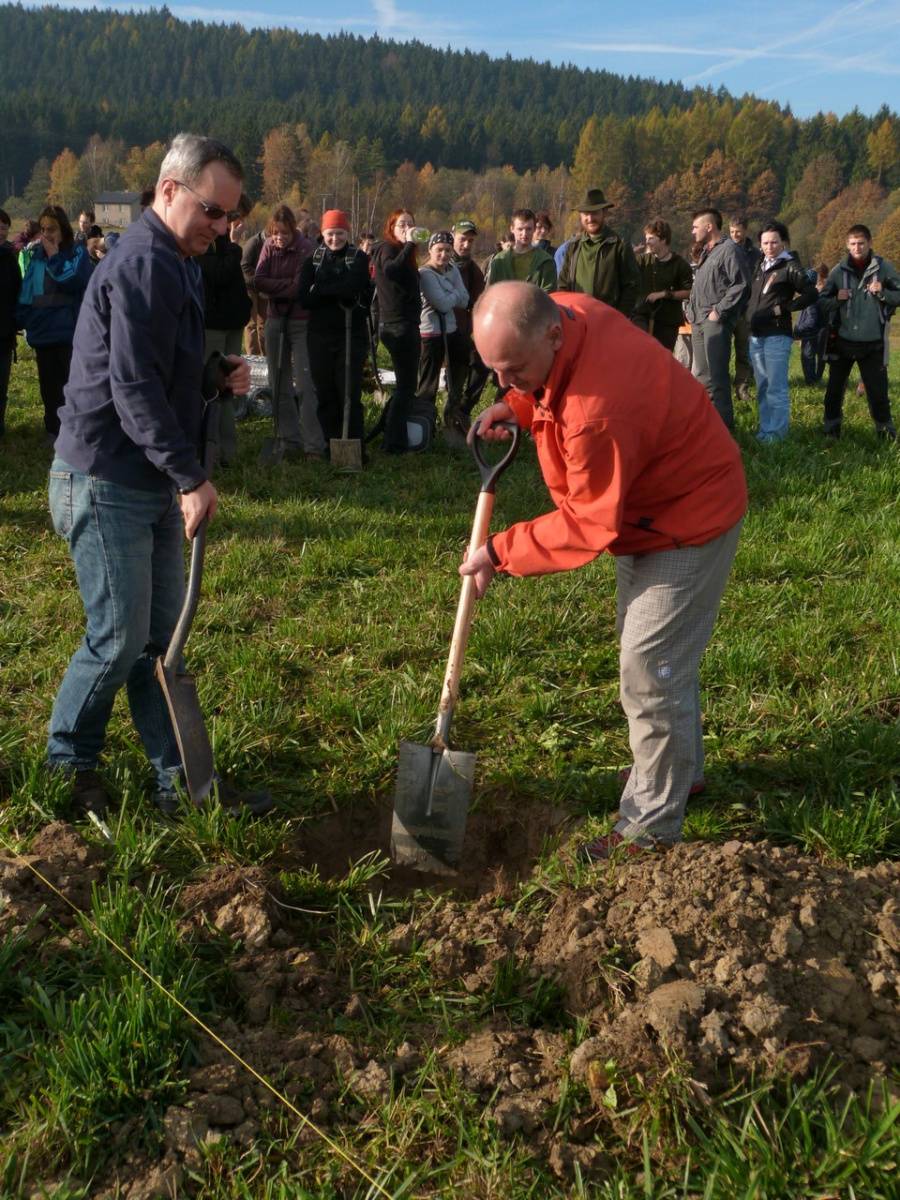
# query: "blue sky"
816,55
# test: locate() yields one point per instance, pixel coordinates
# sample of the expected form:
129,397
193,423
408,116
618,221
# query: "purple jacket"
277,275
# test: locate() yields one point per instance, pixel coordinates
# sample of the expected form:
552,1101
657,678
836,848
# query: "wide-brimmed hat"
591,201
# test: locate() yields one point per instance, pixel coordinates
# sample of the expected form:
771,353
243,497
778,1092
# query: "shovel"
272,449
345,452
180,688
380,395
434,783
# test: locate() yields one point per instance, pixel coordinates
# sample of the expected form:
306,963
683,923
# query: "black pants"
327,363
402,343
666,335
6,362
812,356
469,374
430,362
870,357
53,363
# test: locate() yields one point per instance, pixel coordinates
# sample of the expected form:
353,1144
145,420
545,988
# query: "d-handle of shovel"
490,473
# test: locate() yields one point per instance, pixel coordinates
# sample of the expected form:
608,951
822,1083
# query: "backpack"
809,322
421,422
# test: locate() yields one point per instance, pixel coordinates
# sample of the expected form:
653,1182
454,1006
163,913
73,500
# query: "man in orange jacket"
638,463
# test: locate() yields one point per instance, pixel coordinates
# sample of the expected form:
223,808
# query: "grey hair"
189,155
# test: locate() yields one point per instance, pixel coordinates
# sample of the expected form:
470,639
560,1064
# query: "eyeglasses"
213,211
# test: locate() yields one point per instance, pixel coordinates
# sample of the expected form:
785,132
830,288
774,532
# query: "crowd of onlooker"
301,294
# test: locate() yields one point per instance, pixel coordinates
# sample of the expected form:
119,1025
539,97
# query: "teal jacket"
52,291
863,316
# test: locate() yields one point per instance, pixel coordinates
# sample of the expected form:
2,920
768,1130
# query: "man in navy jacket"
127,482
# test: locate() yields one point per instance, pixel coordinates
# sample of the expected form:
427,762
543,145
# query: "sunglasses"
213,211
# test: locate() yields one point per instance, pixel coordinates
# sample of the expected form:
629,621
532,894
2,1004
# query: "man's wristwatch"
193,488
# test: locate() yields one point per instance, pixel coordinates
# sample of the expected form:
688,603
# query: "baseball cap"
465,226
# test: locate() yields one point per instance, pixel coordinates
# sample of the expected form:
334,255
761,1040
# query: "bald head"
517,330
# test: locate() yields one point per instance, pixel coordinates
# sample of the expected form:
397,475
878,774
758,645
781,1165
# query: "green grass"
319,644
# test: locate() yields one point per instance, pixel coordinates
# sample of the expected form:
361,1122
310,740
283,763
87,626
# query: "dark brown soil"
726,959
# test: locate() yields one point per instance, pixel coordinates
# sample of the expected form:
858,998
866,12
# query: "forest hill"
372,123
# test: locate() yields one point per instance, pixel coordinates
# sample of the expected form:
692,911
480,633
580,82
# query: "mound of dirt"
729,958
732,957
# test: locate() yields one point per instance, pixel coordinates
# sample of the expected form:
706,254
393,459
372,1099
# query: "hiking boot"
236,803
694,790
168,803
89,794
887,433
743,392
232,800
613,845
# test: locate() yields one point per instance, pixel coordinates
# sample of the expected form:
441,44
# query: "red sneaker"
613,845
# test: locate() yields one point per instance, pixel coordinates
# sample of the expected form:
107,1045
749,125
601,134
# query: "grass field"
320,642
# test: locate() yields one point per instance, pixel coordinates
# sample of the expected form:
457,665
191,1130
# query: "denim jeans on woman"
127,547
771,358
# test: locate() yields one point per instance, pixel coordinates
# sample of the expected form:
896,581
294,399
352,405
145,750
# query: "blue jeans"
127,547
770,357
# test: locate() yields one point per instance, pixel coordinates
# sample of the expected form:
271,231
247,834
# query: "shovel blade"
431,805
180,691
345,454
271,452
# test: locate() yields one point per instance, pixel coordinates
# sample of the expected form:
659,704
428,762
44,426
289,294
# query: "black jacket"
332,280
10,286
397,282
784,285
226,303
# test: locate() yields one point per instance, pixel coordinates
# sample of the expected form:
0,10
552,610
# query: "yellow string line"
234,1054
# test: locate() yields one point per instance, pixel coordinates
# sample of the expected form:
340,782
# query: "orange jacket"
634,454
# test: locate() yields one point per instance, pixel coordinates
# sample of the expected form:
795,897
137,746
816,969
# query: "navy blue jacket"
133,406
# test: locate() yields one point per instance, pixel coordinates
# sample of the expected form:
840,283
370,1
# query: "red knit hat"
334,219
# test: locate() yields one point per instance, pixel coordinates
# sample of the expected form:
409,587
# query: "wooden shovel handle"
464,612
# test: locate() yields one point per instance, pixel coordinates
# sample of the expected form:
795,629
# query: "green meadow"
320,642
